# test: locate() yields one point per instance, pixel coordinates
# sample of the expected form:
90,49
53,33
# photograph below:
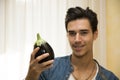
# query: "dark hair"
78,13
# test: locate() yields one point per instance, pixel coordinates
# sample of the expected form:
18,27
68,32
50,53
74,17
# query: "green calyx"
39,40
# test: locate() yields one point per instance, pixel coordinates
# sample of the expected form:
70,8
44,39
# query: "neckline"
71,77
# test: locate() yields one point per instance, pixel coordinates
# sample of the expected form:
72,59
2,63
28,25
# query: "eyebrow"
79,30
84,30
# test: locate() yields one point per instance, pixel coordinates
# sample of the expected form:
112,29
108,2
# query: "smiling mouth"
78,47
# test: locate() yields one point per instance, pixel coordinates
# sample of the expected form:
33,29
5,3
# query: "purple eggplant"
44,48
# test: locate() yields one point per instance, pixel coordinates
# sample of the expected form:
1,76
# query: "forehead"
79,24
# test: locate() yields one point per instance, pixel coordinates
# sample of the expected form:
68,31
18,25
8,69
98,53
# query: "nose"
78,37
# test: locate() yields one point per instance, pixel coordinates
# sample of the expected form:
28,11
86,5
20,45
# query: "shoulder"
62,60
107,74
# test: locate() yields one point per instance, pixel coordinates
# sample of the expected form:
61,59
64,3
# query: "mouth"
78,47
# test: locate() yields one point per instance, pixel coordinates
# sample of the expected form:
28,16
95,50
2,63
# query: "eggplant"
44,48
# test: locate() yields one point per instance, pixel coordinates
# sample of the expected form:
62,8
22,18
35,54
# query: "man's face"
81,37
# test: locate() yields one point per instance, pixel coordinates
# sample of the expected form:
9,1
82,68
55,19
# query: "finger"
47,63
35,61
41,57
47,67
34,52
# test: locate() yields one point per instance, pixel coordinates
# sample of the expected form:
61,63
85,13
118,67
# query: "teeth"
79,46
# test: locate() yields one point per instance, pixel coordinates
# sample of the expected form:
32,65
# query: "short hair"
79,13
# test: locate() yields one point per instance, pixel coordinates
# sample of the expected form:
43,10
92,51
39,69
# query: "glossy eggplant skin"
45,48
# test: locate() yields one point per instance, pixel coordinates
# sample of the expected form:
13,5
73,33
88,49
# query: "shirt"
94,78
62,69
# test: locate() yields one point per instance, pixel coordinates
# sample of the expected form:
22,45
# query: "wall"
113,35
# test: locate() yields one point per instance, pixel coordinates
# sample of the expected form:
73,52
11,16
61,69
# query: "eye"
71,33
83,32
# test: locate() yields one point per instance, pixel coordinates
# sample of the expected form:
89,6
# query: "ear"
95,34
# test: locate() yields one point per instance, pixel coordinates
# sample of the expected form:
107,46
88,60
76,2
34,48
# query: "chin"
78,55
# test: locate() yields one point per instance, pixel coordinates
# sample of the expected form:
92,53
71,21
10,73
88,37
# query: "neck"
84,66
82,63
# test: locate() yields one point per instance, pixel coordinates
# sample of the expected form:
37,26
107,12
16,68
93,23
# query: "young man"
81,27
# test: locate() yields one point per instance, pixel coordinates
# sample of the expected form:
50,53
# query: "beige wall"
113,35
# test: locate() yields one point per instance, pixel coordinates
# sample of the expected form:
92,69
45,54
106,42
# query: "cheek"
88,40
71,41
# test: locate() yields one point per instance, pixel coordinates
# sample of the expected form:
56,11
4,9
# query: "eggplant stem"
39,40
38,36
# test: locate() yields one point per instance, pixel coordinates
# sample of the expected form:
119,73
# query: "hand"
36,68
